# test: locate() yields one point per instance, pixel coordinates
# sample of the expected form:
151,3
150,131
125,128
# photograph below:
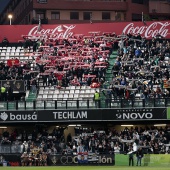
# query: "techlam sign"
147,29
61,115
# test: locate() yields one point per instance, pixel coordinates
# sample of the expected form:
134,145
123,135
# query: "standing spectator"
97,98
26,45
139,155
35,45
5,42
10,93
3,93
131,157
33,86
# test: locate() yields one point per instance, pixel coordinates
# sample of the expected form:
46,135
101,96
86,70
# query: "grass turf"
86,168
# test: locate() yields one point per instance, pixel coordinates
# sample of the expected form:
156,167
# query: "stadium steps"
109,75
31,97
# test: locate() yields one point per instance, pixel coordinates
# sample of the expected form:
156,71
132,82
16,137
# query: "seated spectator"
5,42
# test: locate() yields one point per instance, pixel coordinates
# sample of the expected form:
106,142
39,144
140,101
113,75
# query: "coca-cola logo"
61,31
148,31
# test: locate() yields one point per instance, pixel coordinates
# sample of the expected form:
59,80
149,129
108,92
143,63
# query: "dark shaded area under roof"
3,4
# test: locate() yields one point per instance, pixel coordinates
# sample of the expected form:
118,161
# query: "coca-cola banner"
14,33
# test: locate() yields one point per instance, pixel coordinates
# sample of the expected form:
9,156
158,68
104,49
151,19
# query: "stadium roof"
3,4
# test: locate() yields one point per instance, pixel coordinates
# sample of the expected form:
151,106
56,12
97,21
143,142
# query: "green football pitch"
86,168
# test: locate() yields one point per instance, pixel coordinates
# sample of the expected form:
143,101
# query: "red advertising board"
14,33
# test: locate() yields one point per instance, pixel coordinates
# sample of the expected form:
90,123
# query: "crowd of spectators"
141,66
104,141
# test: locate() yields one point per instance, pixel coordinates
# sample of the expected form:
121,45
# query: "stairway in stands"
112,59
109,75
31,97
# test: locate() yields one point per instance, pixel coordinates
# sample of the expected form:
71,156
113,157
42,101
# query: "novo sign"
70,115
135,115
139,114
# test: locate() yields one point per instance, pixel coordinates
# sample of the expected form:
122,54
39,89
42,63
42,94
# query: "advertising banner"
104,159
71,115
158,160
147,30
168,113
83,115
135,114
11,159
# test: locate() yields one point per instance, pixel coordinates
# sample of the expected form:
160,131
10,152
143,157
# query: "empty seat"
77,91
60,96
55,96
51,92
49,96
45,91
72,87
44,96
71,91
40,91
71,96
65,96
76,96
40,96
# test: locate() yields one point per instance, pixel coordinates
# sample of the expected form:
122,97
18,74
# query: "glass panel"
39,104
74,15
55,15
168,102
83,104
106,15
50,104
5,148
16,149
29,105
61,104
138,103
21,105
11,105
3,105
159,102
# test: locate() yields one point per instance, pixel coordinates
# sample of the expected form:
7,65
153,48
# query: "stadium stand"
41,141
58,73
71,68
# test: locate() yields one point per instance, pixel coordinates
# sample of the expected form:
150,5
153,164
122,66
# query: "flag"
91,18
11,62
39,24
143,19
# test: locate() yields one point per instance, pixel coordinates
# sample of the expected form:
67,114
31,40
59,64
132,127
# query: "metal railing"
81,104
